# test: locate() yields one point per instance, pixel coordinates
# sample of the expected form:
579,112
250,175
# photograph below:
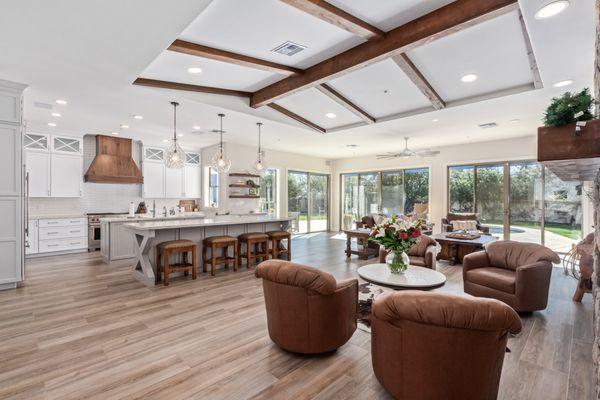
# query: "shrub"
563,109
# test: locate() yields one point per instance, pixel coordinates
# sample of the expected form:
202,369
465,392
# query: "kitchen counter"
57,216
159,217
148,234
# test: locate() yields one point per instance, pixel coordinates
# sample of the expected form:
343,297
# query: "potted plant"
570,130
253,187
397,236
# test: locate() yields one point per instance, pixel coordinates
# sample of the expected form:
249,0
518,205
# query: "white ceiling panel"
381,89
387,15
255,27
500,61
172,66
314,105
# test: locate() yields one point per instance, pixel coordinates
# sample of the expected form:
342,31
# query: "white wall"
243,157
502,150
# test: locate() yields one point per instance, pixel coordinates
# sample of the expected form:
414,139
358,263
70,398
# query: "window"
268,192
212,195
462,189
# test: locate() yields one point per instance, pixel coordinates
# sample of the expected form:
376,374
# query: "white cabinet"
54,164
154,180
32,237
62,234
192,186
38,168
66,175
122,242
173,183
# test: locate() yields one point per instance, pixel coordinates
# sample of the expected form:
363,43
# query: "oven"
94,229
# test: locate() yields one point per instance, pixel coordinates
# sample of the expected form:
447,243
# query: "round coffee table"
413,278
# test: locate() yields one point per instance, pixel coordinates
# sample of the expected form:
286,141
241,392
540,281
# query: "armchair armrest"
478,259
347,283
430,256
533,277
483,228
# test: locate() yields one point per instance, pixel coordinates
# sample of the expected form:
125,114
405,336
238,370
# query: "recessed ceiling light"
115,133
165,140
552,9
352,146
435,120
51,124
566,82
124,126
330,115
60,101
514,121
196,127
55,114
194,70
180,135
138,117
469,78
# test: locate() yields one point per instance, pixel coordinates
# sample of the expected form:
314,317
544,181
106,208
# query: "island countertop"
202,222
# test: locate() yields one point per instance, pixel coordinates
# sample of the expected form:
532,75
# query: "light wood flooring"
79,328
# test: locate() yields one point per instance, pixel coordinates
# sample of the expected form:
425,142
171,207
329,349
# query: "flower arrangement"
397,236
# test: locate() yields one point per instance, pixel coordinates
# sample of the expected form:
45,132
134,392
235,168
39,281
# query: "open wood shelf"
243,196
247,175
240,185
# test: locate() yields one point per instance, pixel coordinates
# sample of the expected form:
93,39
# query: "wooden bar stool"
277,249
257,246
173,247
215,243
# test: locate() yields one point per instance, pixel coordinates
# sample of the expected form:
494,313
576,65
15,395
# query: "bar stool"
215,243
257,246
277,250
172,247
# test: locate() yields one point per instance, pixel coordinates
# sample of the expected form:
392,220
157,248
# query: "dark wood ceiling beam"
335,16
344,102
198,50
597,62
533,66
452,18
413,73
297,118
189,88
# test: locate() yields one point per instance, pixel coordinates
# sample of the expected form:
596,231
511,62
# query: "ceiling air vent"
45,106
288,48
488,125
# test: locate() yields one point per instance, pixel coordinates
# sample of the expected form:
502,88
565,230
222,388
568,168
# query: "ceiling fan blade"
385,156
427,153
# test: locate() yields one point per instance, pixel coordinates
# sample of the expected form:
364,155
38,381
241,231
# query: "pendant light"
220,162
175,157
259,165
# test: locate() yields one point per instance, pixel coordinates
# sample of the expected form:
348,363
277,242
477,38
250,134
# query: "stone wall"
596,283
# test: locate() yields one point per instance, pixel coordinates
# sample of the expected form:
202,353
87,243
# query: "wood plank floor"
79,328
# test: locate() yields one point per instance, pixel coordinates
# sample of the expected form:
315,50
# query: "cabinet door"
174,183
11,170
191,186
154,180
66,175
122,243
38,167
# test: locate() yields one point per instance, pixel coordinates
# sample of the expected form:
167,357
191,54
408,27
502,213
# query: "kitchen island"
148,234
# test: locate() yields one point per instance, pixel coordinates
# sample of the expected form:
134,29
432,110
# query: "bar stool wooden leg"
235,256
274,248
213,256
194,263
204,259
166,268
289,248
158,266
184,260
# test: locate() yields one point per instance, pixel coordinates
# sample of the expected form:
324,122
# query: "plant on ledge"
569,109
397,236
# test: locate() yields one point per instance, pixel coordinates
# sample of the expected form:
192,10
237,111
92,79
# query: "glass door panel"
525,202
319,207
298,199
349,201
368,202
392,193
489,197
563,213
462,189
416,188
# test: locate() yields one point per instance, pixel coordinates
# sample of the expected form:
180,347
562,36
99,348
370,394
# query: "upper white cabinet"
162,182
54,165
10,104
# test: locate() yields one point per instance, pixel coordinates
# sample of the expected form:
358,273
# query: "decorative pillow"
464,225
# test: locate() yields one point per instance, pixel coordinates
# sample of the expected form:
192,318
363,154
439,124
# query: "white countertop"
202,222
148,217
57,216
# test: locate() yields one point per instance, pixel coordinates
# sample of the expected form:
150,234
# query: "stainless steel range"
94,229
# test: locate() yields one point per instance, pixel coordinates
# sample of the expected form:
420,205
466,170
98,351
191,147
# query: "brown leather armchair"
422,254
432,345
516,273
307,310
447,222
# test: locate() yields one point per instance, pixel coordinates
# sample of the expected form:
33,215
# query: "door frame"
309,199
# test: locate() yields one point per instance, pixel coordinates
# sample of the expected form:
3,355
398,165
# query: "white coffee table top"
413,277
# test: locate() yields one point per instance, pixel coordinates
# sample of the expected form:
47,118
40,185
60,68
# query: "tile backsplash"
98,197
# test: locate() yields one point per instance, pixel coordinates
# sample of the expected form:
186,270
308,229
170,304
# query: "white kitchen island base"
148,234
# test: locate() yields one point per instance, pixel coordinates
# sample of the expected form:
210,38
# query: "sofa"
515,273
448,227
422,254
308,312
433,345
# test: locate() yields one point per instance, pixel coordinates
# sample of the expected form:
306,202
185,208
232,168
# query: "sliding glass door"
368,200
349,206
392,192
562,211
489,197
525,202
308,200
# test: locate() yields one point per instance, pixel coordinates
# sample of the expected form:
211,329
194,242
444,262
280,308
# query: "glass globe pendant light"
259,165
220,162
175,156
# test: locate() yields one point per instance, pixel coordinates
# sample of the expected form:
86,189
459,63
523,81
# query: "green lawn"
315,217
559,229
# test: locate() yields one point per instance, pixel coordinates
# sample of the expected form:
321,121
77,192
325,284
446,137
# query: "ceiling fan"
408,153
212,131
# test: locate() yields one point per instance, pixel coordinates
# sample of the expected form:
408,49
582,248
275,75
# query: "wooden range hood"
113,162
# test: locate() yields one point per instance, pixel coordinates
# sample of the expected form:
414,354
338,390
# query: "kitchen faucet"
153,208
164,211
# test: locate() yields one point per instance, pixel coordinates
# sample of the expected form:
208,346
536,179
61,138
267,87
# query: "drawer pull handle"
74,243
52,245
51,233
52,222
75,231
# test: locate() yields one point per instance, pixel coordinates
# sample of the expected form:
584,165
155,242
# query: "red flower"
403,235
416,233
